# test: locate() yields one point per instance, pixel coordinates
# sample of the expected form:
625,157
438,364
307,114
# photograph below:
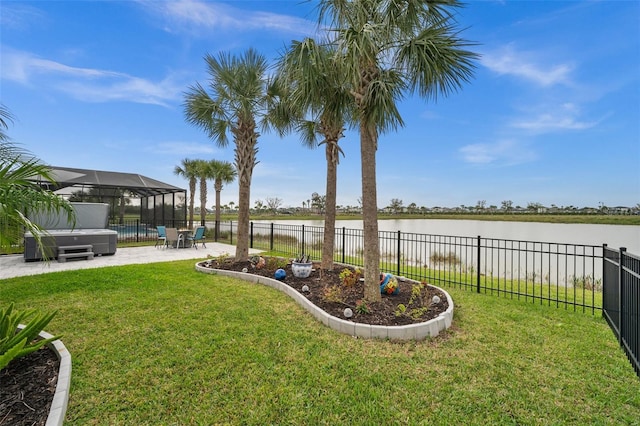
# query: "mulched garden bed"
27,386
322,283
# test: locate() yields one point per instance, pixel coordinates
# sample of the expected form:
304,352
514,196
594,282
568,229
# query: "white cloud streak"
86,84
508,61
20,17
564,117
503,153
192,16
182,149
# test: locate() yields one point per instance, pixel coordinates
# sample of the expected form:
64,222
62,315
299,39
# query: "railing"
621,304
559,274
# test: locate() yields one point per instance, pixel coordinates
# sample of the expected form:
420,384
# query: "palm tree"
188,170
388,49
316,87
205,172
223,172
240,103
21,193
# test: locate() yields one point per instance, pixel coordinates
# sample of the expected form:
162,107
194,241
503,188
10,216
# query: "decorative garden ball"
245,270
436,299
305,288
280,274
389,284
348,313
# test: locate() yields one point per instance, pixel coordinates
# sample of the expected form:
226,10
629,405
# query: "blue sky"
551,116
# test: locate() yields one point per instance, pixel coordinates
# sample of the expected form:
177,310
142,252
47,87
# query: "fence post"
215,230
251,234
302,239
137,230
621,328
604,278
399,253
478,267
231,232
343,243
271,238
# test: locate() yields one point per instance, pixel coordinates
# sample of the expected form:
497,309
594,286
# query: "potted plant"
301,266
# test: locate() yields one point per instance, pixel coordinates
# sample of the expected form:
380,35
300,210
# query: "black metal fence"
559,274
621,300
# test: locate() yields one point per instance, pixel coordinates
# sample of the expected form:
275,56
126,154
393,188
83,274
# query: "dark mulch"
27,386
381,313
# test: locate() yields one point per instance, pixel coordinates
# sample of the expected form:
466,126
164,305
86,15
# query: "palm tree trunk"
368,147
218,188
192,201
245,157
122,208
203,200
330,212
242,244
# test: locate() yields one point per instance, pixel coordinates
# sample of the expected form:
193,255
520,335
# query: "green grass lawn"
162,344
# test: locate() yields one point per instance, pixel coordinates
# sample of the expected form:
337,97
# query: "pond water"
614,236
551,252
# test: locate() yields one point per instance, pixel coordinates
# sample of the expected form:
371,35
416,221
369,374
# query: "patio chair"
174,237
197,237
162,235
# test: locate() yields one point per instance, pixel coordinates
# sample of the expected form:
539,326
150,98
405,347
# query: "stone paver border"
419,331
61,396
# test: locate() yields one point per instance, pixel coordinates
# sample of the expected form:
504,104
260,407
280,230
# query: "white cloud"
563,117
505,152
87,84
192,16
525,65
182,149
23,66
18,16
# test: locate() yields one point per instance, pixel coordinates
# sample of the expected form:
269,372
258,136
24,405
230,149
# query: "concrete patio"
15,266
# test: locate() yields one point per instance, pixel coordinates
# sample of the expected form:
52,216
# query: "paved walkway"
15,266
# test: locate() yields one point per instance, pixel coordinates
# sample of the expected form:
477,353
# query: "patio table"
185,233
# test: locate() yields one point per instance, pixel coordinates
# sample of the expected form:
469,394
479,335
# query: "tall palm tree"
389,49
317,93
20,192
205,172
223,172
188,169
239,104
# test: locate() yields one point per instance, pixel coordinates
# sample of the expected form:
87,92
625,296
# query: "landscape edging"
419,331
60,401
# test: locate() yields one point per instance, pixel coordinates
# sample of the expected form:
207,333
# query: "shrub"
362,307
349,277
448,259
16,343
333,294
418,303
587,282
276,263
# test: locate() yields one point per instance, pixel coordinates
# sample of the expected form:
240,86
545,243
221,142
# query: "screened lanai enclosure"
137,204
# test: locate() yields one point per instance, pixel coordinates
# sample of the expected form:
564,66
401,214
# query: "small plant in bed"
335,290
